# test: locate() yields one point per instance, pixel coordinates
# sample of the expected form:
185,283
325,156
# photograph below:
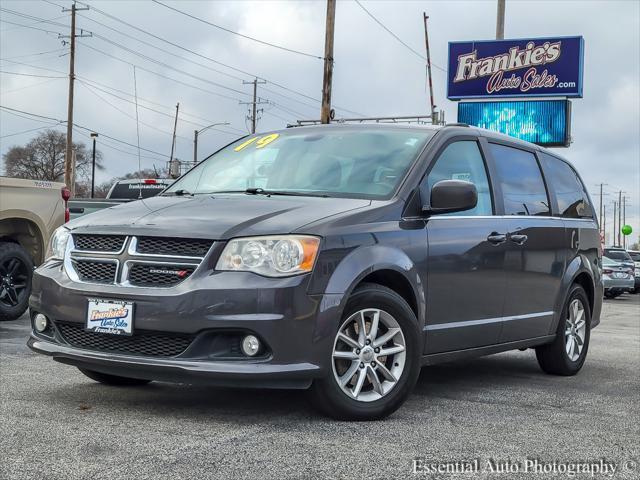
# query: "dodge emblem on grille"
178,273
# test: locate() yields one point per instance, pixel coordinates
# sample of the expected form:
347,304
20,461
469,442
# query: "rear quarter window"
572,198
521,181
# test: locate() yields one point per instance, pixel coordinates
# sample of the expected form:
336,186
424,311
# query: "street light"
195,139
94,135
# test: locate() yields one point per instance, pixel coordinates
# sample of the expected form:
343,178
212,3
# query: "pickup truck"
122,191
30,210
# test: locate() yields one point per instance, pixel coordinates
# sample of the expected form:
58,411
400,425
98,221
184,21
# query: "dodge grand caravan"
336,258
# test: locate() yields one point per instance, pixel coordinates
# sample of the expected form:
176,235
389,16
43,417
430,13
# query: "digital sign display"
530,67
544,122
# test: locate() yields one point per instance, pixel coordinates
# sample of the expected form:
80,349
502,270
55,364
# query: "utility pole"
434,115
325,110
175,126
601,205
604,223
624,220
68,167
500,20
93,164
254,111
613,239
619,216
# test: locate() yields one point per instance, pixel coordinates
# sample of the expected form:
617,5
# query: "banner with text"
549,67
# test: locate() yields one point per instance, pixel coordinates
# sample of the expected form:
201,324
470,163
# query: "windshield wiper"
178,193
262,191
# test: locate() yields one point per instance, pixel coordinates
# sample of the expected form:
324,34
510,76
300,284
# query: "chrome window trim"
133,251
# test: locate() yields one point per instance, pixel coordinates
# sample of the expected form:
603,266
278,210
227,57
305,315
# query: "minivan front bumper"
296,328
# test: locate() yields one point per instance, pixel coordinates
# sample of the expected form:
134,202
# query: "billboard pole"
500,20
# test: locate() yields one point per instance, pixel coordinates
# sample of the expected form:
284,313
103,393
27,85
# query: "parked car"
30,210
619,254
352,257
635,256
617,277
121,192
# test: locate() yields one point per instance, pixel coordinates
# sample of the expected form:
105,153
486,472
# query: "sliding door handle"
497,238
520,239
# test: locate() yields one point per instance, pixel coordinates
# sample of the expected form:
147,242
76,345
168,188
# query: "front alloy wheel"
374,360
368,355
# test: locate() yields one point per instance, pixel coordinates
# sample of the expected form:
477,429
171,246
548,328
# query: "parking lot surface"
55,423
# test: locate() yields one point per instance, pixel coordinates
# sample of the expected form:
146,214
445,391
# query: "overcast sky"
374,74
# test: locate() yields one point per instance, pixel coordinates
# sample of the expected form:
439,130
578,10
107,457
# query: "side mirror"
452,196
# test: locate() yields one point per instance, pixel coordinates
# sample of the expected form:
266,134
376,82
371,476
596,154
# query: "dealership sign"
549,67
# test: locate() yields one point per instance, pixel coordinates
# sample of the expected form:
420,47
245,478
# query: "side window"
463,161
521,181
573,201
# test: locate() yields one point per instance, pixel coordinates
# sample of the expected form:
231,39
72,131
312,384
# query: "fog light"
250,345
40,322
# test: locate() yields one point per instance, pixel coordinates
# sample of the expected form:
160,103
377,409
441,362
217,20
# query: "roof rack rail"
456,124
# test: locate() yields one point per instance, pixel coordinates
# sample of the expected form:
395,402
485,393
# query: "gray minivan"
337,258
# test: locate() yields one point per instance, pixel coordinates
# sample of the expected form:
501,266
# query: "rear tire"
16,272
383,380
566,355
113,379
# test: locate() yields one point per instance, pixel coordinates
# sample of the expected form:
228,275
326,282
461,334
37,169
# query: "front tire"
566,355
113,380
16,271
375,359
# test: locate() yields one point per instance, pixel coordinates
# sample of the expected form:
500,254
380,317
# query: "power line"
28,74
28,26
27,131
193,52
287,49
422,57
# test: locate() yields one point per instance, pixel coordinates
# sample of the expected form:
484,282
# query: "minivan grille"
146,275
147,343
99,243
95,271
150,262
181,247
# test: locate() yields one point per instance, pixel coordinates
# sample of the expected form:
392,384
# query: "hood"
218,217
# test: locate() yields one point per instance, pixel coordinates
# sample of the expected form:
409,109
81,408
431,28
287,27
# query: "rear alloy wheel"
567,353
375,357
16,270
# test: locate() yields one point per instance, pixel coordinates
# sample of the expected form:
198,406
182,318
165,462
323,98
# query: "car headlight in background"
58,244
271,256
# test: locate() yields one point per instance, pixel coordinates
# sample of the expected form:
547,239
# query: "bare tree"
43,158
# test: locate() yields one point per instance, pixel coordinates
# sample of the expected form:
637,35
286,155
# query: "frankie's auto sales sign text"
550,67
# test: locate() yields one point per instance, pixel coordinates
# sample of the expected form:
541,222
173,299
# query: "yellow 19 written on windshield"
259,142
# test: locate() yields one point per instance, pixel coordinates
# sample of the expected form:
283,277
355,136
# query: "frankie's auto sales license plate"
110,316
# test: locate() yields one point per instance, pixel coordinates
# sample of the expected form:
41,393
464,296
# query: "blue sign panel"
545,122
550,67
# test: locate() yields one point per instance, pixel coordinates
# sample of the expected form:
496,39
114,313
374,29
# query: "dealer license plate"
114,317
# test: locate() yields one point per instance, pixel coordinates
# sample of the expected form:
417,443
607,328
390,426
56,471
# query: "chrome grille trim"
126,258
77,237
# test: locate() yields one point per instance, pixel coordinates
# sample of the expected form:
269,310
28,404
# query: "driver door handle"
518,238
497,238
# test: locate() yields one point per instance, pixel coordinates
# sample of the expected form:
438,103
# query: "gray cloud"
374,74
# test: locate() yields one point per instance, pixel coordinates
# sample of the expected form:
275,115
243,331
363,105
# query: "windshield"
345,162
619,255
132,191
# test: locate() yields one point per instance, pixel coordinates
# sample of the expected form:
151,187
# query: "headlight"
272,256
58,244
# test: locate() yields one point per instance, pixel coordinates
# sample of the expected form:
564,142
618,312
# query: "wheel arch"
25,232
579,271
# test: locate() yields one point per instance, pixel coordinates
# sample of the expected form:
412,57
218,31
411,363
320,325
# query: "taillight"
150,181
607,271
66,195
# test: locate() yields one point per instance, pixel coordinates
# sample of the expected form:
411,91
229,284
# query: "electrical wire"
28,74
419,55
280,47
27,131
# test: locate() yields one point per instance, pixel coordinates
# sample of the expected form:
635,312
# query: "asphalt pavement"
500,411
